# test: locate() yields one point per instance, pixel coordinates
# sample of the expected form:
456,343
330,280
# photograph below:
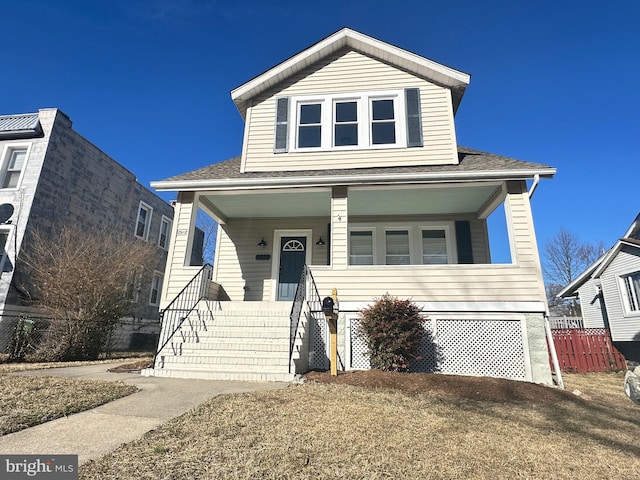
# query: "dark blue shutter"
463,239
282,125
414,117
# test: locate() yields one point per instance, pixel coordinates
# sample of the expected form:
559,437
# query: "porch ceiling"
362,201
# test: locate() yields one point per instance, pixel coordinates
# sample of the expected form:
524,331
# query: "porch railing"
307,295
173,316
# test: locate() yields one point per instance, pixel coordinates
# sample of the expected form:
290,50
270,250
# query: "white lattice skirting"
466,346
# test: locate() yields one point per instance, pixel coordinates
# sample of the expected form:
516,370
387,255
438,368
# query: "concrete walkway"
96,432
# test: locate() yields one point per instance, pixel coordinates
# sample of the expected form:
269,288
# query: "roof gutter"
323,181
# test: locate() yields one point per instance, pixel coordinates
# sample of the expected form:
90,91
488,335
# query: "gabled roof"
20,126
437,73
611,254
474,165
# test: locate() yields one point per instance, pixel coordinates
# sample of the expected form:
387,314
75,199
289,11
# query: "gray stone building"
50,176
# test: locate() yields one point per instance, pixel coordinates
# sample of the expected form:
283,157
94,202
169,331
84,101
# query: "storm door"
292,259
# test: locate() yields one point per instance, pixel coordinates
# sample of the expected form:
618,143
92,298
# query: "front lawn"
341,431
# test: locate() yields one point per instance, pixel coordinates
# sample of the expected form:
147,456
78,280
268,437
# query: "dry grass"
29,401
21,367
334,431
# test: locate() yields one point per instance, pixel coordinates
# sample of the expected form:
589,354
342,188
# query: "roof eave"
438,73
318,181
610,255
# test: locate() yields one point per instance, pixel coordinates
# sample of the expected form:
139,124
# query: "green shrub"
393,332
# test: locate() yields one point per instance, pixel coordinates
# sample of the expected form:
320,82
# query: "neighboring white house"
52,177
350,166
609,292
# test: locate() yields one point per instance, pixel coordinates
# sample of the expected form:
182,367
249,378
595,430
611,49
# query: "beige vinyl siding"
344,73
624,326
239,273
455,283
591,305
177,274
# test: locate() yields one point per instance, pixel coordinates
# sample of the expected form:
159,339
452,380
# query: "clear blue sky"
148,81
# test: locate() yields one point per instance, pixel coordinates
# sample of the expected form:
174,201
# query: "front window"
310,125
14,164
631,292
361,247
434,247
383,125
397,247
143,222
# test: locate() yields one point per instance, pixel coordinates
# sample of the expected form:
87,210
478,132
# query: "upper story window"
397,247
13,162
631,292
165,231
143,222
364,120
434,246
361,249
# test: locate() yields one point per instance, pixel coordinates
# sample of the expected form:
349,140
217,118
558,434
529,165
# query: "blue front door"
292,260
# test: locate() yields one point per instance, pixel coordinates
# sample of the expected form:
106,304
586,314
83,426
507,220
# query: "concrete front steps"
242,341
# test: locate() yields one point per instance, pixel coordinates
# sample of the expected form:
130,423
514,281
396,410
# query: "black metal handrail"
173,315
306,278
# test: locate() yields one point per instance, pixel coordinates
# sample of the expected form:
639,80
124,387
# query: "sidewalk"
96,432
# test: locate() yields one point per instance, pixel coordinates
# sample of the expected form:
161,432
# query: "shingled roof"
471,162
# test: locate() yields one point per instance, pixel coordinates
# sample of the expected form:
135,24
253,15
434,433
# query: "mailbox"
328,306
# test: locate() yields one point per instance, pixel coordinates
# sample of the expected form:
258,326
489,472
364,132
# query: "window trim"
364,109
160,277
7,152
147,227
165,220
373,244
449,239
415,229
626,288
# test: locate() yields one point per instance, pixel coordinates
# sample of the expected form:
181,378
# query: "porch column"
339,224
522,235
184,218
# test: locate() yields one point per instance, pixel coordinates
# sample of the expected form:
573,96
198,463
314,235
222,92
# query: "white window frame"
169,223
160,277
7,154
373,244
415,229
399,228
630,296
452,253
147,226
364,109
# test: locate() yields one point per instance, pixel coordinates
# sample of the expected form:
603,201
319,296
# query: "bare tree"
85,282
209,228
565,257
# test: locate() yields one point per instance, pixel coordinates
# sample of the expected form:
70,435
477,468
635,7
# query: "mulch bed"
474,388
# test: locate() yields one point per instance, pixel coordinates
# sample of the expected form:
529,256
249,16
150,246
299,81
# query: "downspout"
534,185
552,351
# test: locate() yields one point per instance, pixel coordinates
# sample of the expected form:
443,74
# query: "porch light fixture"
320,242
262,243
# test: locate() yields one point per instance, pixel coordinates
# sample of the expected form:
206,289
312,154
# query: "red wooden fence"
587,350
